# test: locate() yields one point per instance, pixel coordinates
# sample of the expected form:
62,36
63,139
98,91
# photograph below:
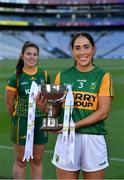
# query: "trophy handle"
61,99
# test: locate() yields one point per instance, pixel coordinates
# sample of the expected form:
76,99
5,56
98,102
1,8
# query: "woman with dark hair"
92,93
17,101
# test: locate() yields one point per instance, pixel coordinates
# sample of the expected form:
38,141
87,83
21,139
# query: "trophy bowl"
54,95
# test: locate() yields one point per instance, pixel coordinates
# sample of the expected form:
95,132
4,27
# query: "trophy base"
49,128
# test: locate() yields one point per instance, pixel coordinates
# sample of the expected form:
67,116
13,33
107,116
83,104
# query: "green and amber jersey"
86,87
22,87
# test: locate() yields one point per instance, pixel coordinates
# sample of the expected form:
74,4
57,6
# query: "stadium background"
51,24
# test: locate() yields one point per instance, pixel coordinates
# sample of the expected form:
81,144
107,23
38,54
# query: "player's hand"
59,131
41,103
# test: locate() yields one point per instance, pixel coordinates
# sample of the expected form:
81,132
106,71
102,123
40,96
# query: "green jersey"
22,87
86,87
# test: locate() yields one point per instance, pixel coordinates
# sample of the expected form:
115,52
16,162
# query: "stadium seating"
110,44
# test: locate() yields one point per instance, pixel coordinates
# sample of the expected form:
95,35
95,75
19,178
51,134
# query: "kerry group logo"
85,100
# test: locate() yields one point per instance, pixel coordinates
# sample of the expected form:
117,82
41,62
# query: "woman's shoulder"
68,70
12,80
45,74
12,76
100,70
40,70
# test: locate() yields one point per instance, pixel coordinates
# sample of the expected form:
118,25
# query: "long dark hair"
20,63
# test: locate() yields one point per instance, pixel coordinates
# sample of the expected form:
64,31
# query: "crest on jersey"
93,85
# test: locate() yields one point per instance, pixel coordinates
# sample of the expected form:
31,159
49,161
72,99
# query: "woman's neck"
85,69
30,70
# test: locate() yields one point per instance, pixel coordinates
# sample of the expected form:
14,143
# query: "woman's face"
30,57
83,52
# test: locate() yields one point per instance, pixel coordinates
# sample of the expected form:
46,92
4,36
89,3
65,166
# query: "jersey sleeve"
106,88
57,79
12,84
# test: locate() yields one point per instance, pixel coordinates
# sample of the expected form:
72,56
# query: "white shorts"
90,154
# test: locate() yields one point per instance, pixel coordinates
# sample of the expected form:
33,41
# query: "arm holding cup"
42,103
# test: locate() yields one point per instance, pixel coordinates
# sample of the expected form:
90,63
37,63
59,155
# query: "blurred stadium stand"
51,24
110,44
63,1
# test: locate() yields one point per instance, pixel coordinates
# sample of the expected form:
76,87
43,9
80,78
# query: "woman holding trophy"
26,119
92,92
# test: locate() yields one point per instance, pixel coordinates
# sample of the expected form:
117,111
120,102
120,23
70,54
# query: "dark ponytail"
19,67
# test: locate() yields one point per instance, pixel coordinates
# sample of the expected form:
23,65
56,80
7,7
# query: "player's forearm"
9,101
104,105
10,109
95,117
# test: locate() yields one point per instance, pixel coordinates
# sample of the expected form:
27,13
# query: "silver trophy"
54,95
